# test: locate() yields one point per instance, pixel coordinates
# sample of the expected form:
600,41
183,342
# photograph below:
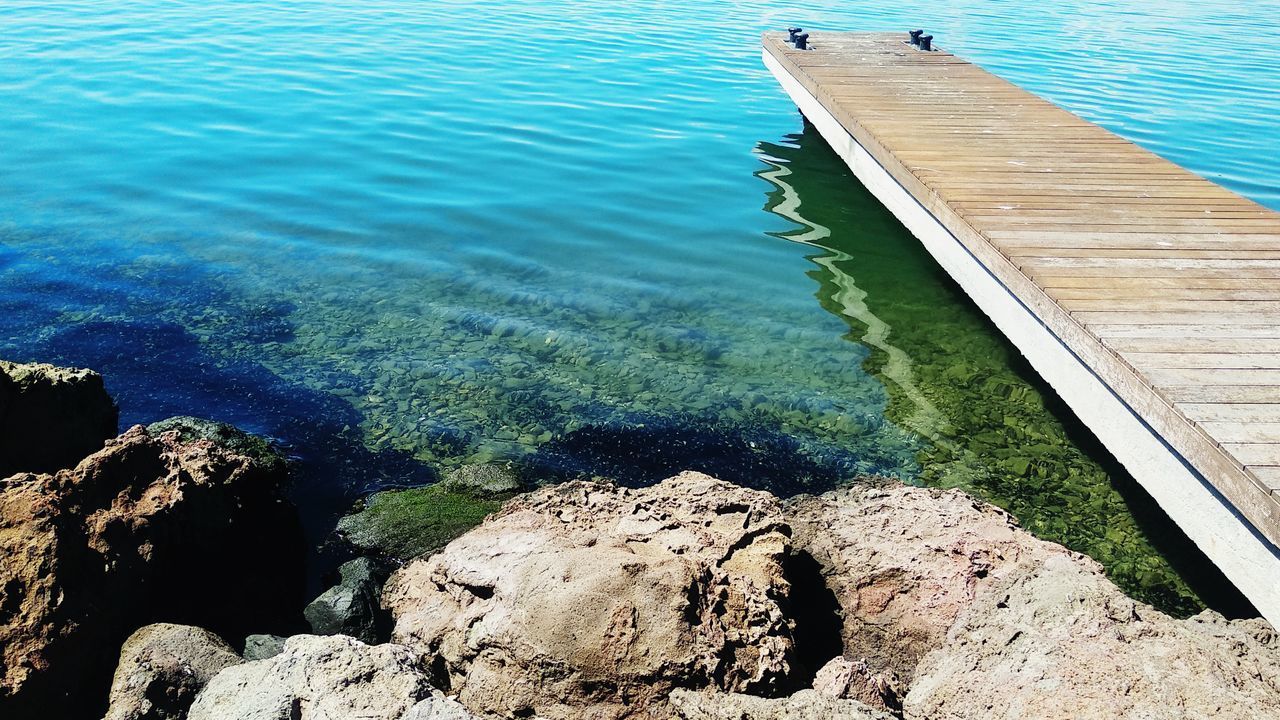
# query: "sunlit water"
590,237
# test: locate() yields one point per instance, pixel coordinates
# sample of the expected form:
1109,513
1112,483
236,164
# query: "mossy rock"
488,480
229,437
402,524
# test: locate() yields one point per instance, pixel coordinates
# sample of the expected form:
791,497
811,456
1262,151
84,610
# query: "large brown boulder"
589,601
51,417
151,528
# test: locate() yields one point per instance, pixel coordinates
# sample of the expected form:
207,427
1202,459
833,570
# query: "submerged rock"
326,678
225,436
587,600
161,669
261,647
494,480
51,417
402,524
352,607
149,528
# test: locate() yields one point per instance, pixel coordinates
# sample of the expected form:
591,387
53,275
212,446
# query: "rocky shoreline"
169,555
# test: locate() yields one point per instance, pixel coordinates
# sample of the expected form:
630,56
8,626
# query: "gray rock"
261,647
162,668
804,705
326,678
51,418
353,606
484,480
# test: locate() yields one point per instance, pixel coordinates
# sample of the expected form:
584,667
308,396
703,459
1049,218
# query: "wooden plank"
1269,475
1194,344
1212,376
1153,302
1228,411
1223,394
1184,330
1044,273
1223,251
1176,282
1254,453
1067,243
1232,431
1223,360
1188,320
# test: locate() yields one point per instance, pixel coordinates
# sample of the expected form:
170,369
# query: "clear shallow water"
403,235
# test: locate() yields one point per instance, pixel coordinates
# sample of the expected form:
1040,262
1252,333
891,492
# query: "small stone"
352,607
844,678
261,647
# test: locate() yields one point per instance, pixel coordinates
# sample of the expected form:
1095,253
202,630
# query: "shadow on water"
645,449
992,425
155,368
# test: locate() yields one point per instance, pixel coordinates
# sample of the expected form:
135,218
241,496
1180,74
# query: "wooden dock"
1156,292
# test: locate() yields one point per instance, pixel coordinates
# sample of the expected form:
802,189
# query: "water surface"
589,237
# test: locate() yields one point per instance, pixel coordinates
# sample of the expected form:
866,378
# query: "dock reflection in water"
993,427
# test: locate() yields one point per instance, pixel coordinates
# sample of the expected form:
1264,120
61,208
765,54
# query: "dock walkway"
1156,292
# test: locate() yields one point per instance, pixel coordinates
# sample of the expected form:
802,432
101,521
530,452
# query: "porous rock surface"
803,705
162,667
982,620
51,417
326,678
853,679
150,528
589,601
905,562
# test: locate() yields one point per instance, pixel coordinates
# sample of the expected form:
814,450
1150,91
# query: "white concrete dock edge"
1230,541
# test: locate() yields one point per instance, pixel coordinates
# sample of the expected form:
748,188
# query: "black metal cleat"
926,42
792,32
802,41
915,36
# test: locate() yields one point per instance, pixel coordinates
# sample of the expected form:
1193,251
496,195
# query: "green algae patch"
988,424
229,437
403,524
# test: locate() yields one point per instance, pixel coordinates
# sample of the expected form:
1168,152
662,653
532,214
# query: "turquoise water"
593,238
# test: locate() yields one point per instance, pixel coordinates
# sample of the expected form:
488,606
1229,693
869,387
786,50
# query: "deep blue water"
399,235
